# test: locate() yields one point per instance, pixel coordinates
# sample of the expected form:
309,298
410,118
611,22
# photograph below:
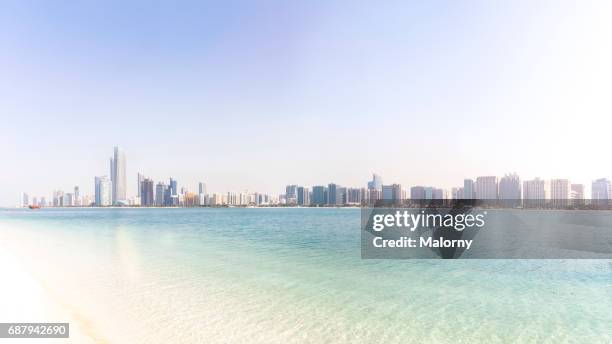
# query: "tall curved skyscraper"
118,177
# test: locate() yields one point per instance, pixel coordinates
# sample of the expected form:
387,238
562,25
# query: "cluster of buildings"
485,188
111,190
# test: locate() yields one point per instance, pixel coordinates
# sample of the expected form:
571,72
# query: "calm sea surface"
291,275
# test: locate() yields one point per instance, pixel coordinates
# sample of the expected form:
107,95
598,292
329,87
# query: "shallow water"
291,275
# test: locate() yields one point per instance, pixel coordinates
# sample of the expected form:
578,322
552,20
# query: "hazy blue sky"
258,94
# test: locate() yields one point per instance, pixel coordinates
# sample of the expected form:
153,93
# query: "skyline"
251,96
111,191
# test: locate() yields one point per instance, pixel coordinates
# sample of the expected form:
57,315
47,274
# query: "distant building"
303,197
202,188
24,200
560,189
469,191
392,193
560,192
103,192
118,177
417,193
353,196
333,196
486,188
77,196
319,195
291,194
457,193
376,182
534,192
601,189
140,178
577,194
437,193
510,187
147,194
160,192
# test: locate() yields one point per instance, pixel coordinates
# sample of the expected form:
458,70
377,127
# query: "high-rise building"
160,192
173,186
140,178
375,183
303,197
291,194
24,200
560,192
118,177
58,198
437,193
534,189
147,195
202,194
535,192
560,189
469,191
486,188
417,193
319,195
577,194
510,187
77,196
103,191
354,196
332,194
457,193
392,193
601,189
202,188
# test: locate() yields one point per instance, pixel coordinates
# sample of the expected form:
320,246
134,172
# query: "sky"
255,95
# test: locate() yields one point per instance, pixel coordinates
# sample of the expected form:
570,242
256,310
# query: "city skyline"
113,191
258,96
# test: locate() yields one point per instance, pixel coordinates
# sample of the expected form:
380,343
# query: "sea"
290,275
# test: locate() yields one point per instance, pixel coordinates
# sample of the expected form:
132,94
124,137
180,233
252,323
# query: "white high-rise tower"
118,177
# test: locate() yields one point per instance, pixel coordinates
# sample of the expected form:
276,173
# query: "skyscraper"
392,193
102,191
160,193
468,189
486,188
319,195
202,188
77,196
560,191
510,187
202,194
577,194
140,177
417,192
118,177
331,194
147,197
354,196
24,200
601,189
291,194
171,197
375,183
303,197
534,192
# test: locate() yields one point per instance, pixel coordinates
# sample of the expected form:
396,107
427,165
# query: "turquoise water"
291,275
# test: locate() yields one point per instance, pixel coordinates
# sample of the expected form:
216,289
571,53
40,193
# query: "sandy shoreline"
25,299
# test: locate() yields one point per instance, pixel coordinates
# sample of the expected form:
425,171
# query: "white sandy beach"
24,299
